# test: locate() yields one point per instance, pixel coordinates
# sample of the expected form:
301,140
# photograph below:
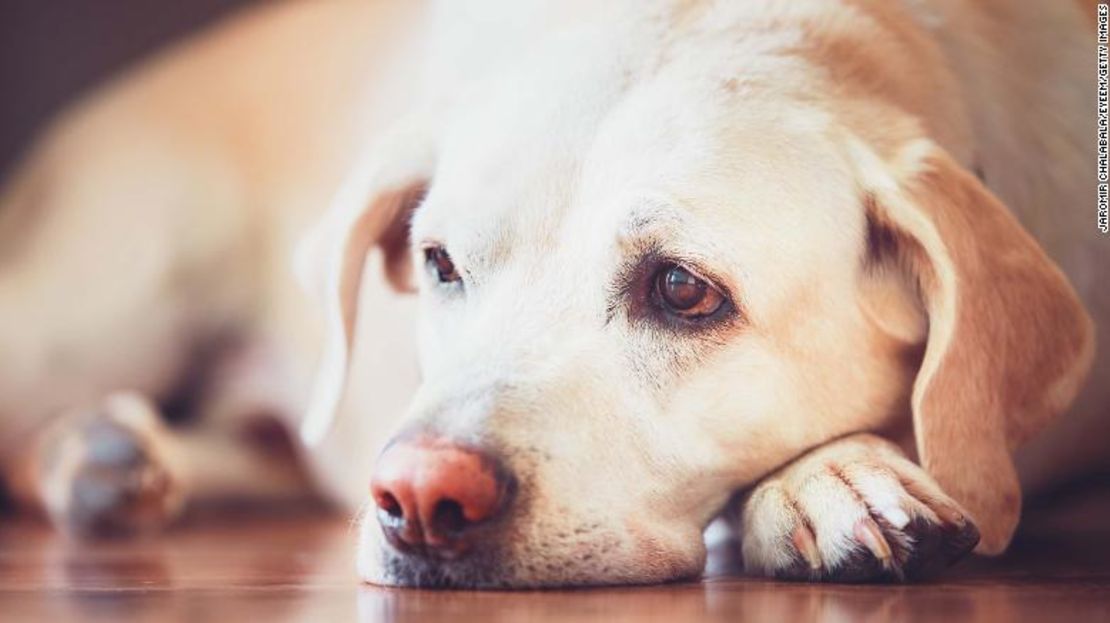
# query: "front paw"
107,472
853,511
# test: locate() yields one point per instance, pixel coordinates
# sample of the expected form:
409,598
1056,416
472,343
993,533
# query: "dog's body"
154,231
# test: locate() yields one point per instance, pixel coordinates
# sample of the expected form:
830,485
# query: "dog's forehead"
580,147
515,141
760,190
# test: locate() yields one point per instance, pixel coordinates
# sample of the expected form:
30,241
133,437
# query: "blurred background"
54,50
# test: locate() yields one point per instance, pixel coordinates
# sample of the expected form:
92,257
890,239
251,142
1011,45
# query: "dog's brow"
492,249
647,225
477,251
483,253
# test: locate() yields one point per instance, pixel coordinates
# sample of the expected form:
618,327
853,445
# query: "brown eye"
439,260
685,294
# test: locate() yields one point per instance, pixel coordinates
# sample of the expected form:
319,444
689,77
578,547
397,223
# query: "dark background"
53,50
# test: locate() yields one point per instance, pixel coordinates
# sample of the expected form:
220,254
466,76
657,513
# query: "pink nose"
432,494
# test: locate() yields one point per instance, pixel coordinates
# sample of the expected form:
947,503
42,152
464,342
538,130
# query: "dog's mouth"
474,559
488,565
572,557
495,572
478,570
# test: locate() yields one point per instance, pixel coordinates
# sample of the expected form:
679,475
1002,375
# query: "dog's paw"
107,472
853,511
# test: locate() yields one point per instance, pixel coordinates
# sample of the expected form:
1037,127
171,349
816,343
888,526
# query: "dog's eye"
438,259
685,294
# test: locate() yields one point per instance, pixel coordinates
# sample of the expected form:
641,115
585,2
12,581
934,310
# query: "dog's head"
646,282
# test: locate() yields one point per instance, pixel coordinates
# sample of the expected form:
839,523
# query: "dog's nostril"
390,505
448,517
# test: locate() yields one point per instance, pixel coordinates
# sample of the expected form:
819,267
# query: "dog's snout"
433,495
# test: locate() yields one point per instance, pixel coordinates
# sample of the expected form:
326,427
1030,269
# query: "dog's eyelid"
708,276
429,243
438,262
635,292
697,267
649,240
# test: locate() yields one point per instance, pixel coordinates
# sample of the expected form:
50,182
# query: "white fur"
557,139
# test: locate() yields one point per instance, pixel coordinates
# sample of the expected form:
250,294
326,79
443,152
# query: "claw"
950,515
869,533
807,545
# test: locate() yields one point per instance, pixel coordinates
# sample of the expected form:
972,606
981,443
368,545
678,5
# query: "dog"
547,287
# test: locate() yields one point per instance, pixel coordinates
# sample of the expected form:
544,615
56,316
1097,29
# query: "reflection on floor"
231,566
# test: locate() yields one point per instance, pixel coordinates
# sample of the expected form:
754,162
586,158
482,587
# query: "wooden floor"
283,567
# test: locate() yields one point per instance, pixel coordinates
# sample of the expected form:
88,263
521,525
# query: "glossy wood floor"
283,567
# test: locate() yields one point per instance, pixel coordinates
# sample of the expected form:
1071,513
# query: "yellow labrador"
802,264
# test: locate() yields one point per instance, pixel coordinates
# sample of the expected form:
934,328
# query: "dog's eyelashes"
439,261
663,292
682,293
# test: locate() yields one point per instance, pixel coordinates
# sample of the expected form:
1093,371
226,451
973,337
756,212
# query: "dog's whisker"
359,517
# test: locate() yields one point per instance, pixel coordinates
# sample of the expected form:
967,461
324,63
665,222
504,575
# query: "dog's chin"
477,571
496,569
491,574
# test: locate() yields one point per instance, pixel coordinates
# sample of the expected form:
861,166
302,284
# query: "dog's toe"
106,473
852,518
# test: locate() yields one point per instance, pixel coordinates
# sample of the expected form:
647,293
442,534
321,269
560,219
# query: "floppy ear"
371,208
1009,342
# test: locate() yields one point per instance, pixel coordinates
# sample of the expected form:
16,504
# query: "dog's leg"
111,469
853,510
119,469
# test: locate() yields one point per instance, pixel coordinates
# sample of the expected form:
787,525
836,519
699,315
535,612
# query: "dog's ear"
373,207
1008,344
